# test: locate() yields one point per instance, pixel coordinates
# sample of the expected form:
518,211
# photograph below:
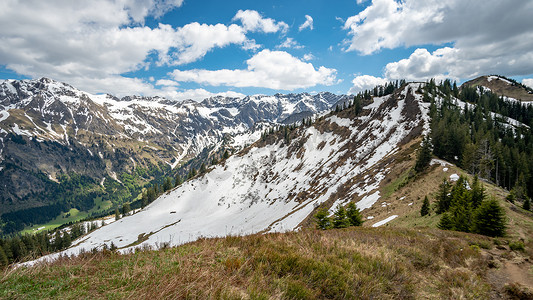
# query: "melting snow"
382,222
454,177
3,115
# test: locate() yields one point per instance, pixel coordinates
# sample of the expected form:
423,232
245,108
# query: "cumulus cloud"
267,69
91,43
290,43
252,21
480,44
166,82
308,57
528,82
194,40
366,82
195,94
307,24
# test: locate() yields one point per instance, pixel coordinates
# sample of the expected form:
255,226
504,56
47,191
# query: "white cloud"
480,44
194,40
307,24
528,82
166,82
268,69
91,43
308,57
290,43
252,21
366,82
422,65
195,94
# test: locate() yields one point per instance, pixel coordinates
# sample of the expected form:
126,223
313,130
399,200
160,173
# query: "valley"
363,151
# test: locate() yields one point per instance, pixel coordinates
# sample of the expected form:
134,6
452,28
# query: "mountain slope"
275,185
353,263
503,86
50,131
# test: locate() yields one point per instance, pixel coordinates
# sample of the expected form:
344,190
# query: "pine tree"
461,212
322,219
443,197
117,214
478,193
144,199
527,204
19,249
66,240
3,259
225,155
354,215
357,106
445,222
489,219
203,168
167,184
340,219
424,210
126,208
178,180
424,156
151,193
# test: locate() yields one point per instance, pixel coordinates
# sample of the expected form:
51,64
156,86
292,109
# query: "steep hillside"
503,87
277,183
51,133
352,263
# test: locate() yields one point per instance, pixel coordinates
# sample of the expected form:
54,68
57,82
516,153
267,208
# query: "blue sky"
195,49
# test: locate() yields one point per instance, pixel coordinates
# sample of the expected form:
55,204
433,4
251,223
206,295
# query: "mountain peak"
503,86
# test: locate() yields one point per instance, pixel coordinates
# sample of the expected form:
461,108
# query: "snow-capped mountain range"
51,128
276,184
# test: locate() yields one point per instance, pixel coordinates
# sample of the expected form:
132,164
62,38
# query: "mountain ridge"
49,130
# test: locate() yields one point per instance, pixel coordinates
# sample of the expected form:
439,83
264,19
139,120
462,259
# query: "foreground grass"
361,263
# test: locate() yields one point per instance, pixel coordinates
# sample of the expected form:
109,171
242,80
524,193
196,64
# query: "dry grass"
361,263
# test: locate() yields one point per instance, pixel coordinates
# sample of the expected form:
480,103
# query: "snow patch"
385,221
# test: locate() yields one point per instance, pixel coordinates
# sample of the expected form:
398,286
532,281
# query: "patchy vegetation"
359,262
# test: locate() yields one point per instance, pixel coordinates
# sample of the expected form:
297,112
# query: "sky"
186,49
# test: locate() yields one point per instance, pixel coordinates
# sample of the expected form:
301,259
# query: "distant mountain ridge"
504,86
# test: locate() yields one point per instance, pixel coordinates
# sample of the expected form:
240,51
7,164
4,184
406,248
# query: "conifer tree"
443,197
144,199
167,184
117,214
226,154
489,219
424,156
19,249
340,219
527,204
66,240
323,221
354,215
424,210
478,193
445,222
126,208
357,106
461,212
203,168
178,180
3,259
